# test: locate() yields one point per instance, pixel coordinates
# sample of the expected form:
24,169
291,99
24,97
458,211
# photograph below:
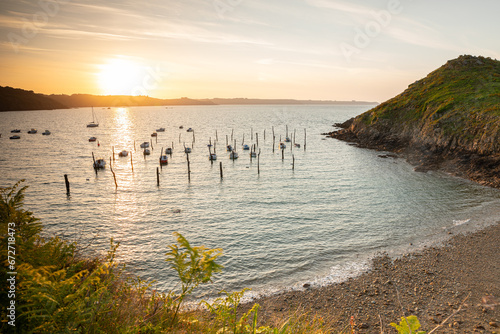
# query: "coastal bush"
408,325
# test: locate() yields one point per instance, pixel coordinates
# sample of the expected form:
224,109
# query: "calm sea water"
317,223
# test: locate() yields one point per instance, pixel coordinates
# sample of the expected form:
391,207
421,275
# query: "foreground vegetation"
57,290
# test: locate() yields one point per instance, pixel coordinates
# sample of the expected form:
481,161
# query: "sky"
298,49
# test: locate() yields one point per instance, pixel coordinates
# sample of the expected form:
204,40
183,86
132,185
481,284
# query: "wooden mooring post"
189,167
305,137
221,174
112,171
157,176
258,163
94,165
293,162
131,162
66,181
113,153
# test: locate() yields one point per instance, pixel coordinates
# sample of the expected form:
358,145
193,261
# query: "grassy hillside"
456,107
20,99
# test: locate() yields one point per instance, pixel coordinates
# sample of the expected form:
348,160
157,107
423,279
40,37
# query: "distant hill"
449,119
20,99
242,101
12,99
87,100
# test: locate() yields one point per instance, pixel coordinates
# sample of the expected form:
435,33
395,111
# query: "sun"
120,76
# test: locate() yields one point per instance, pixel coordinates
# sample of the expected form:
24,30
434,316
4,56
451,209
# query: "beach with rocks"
454,288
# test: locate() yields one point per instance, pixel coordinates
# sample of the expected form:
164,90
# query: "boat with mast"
93,124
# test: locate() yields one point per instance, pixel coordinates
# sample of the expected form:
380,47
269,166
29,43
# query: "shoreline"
431,283
480,168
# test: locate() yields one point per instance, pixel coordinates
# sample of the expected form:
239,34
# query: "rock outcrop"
448,120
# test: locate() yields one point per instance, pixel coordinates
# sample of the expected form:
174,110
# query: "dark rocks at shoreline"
432,284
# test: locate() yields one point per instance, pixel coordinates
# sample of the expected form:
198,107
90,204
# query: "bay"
317,214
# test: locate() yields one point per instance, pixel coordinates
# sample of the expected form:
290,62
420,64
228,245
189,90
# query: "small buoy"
88,179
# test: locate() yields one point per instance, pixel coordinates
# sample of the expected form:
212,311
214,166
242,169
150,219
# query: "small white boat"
233,155
287,139
187,150
93,124
212,157
147,151
32,131
282,146
190,130
99,164
123,153
145,144
154,134
92,139
168,150
164,159
160,130
181,127
246,147
15,137
229,148
46,133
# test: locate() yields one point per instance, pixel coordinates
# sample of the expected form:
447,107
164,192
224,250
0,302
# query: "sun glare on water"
120,76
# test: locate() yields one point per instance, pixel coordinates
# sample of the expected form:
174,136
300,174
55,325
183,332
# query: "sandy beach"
462,275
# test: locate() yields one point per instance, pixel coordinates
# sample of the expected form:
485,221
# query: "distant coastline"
16,99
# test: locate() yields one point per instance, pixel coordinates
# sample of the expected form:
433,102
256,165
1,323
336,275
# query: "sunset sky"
301,49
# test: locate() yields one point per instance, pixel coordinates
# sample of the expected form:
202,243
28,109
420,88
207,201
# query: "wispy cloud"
342,6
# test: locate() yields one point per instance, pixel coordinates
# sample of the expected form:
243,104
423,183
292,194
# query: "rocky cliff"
449,119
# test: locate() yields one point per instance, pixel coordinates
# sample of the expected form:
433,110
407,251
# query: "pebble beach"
454,288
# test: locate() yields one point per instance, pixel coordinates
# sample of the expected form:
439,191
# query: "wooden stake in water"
257,138
282,154
151,144
134,147
258,162
286,130
66,181
179,137
112,171
221,176
305,137
189,168
157,176
293,162
227,141
131,162
232,133
113,153
274,140
216,136
264,134
251,133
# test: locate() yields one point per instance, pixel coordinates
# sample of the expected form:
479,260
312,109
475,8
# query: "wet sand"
432,284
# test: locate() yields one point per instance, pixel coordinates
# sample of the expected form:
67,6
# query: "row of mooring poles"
112,158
